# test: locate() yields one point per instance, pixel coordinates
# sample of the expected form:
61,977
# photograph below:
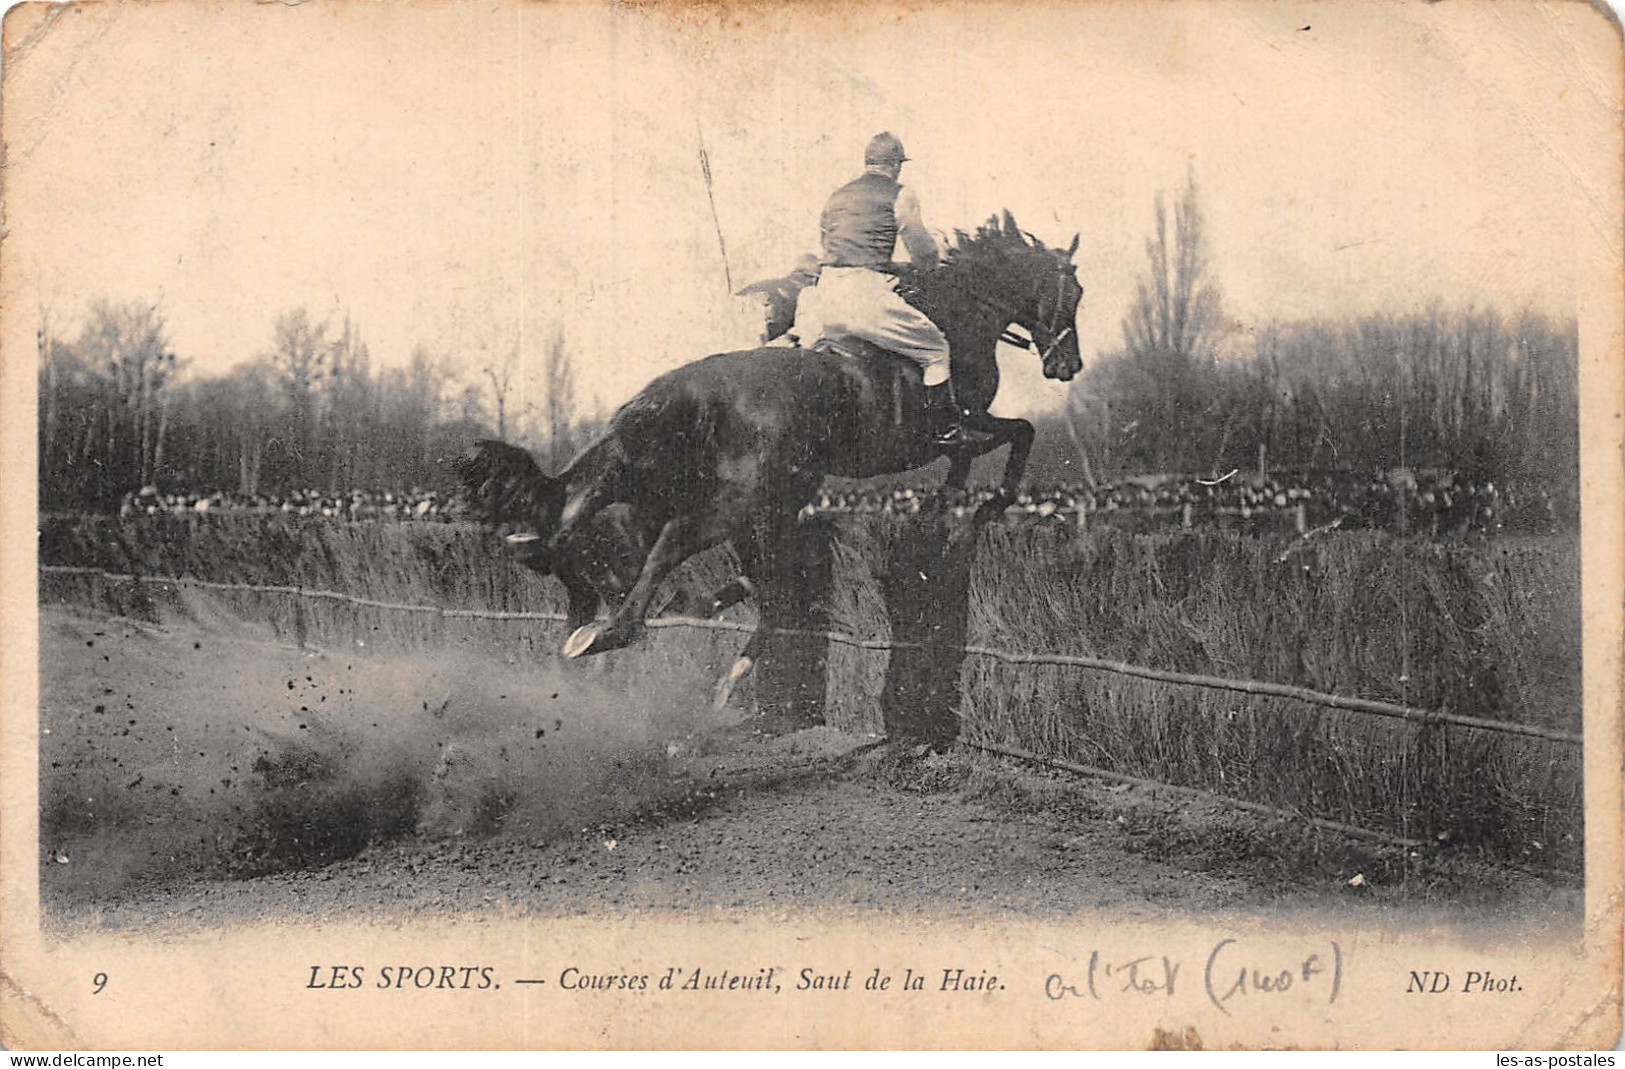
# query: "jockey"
856,294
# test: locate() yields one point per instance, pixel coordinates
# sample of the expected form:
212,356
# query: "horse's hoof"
730,594
725,687
580,640
598,638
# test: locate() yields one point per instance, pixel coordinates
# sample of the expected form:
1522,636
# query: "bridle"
1052,329
1007,309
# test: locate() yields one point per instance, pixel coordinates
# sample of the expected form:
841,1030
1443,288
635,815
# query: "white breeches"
856,302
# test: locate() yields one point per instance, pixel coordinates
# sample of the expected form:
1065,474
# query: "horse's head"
1054,328
1035,286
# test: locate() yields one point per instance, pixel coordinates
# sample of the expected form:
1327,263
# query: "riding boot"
944,422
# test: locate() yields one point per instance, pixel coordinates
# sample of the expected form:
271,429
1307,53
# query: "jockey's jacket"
856,295
863,219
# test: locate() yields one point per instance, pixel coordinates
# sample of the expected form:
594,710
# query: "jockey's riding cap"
884,148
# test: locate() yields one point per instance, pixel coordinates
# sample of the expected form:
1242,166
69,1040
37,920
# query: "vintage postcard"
614,525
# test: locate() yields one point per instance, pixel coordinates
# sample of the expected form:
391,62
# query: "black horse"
733,446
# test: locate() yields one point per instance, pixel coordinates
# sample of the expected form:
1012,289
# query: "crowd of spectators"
1404,500
1433,502
416,504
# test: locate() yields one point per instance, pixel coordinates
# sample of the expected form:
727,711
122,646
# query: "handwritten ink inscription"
1230,974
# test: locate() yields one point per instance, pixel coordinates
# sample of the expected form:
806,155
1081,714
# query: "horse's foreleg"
769,557
679,539
743,585
714,602
1019,434
1015,465
579,513
729,594
717,600
583,601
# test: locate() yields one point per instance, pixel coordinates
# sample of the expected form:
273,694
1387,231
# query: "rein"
1030,343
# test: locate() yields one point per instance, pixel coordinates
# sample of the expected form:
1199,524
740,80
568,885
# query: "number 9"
100,980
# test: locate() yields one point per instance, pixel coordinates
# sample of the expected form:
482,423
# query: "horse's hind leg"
731,593
741,586
772,534
742,667
714,602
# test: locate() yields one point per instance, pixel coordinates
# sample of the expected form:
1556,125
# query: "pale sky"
461,174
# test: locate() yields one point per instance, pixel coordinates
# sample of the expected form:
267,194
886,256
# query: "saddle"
857,349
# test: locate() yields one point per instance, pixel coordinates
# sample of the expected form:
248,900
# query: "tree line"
1467,390
310,412
1463,390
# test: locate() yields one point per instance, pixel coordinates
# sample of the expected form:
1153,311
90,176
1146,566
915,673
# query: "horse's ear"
1071,250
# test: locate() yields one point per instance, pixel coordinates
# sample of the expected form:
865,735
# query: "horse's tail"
506,489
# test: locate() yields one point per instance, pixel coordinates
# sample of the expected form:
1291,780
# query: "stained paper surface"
467,180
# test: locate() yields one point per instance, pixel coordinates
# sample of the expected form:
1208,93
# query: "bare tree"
558,375
501,373
1169,333
426,381
301,356
300,352
1176,307
233,423
348,404
1096,412
125,346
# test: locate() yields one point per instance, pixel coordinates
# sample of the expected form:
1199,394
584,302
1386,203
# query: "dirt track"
198,772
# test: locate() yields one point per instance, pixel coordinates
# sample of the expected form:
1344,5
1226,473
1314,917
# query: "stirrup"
958,435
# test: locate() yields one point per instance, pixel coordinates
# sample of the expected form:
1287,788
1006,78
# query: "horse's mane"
999,236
